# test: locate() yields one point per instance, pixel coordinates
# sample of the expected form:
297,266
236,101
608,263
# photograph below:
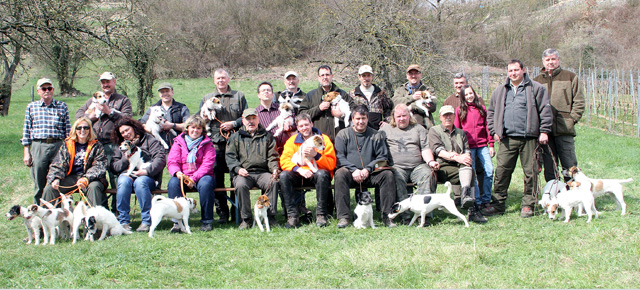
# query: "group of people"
388,143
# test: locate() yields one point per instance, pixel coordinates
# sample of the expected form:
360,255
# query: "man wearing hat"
291,81
253,161
46,124
175,114
372,96
116,107
408,94
451,149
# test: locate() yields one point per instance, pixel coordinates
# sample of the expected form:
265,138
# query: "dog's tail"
119,230
448,185
626,180
156,198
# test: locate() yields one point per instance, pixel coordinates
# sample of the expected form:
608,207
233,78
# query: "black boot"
475,215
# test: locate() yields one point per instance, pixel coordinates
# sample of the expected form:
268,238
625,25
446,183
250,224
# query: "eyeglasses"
83,128
46,89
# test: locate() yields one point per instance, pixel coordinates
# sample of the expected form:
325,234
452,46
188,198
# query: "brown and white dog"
599,187
98,98
52,219
32,222
427,99
260,212
178,208
285,117
315,142
576,196
338,103
208,111
136,158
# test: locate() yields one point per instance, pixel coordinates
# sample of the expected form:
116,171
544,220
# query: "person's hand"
306,173
324,105
190,183
243,172
141,172
356,176
104,108
55,184
287,126
417,95
434,165
464,159
310,152
27,159
383,123
492,151
227,126
166,125
496,138
82,183
544,138
336,113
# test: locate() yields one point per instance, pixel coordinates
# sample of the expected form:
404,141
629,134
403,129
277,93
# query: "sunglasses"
83,128
46,89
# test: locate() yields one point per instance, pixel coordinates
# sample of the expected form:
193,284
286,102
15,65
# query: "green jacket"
323,120
95,162
255,153
233,103
566,98
402,96
442,139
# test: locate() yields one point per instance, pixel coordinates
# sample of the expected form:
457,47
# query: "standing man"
175,114
372,96
299,174
459,81
320,111
116,107
291,81
253,161
228,120
519,116
408,94
46,124
269,111
567,104
361,151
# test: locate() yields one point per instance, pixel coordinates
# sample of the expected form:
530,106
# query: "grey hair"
221,70
459,76
550,51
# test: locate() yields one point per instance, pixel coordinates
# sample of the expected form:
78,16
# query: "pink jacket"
475,126
205,158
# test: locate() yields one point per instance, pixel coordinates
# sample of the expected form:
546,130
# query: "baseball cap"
165,86
43,81
365,69
249,112
414,67
290,73
107,76
447,110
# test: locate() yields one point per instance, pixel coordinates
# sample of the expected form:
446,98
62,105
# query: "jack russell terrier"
427,99
100,218
298,158
568,199
285,117
52,219
364,211
260,212
422,204
599,187
154,124
32,222
136,158
208,111
338,103
289,97
178,208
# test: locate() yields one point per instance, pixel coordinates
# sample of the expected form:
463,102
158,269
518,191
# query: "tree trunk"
7,79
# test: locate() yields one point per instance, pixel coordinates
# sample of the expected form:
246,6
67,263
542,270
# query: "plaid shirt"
42,122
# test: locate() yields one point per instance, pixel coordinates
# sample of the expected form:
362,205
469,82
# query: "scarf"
413,89
192,146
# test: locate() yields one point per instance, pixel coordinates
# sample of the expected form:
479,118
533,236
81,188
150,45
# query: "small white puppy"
79,214
260,212
52,219
285,117
98,98
136,158
298,158
568,199
422,204
338,103
32,222
178,208
154,124
208,111
100,218
364,211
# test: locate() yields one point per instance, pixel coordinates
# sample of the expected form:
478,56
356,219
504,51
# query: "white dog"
291,98
208,111
98,98
260,212
178,208
599,187
100,218
285,117
551,189
79,214
568,199
136,158
154,124
364,211
32,222
52,219
422,204
337,102
427,99
315,142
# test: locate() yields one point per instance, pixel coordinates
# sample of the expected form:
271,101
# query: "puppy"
289,97
285,117
298,158
98,98
178,208
136,158
599,187
32,222
427,99
100,218
337,102
260,212
422,204
79,214
52,219
154,123
568,199
208,111
364,211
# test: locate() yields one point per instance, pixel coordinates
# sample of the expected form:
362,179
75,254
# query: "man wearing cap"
228,120
116,107
519,116
451,148
291,81
253,161
320,111
408,94
46,124
175,114
372,96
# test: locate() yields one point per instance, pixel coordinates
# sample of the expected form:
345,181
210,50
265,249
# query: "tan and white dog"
599,187
98,98
576,196
32,222
427,99
52,219
208,111
315,142
136,159
422,204
100,218
260,212
285,117
338,103
154,124
178,208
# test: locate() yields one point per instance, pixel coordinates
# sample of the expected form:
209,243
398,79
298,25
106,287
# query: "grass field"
507,252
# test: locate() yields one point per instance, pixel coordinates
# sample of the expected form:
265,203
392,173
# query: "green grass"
508,252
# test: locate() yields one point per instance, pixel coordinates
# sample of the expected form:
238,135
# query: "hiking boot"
456,201
526,212
273,222
244,225
143,228
343,223
292,222
224,218
487,209
126,227
176,228
205,227
388,222
467,198
476,216
306,218
321,221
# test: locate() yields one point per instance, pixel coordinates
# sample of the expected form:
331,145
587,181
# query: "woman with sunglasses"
79,164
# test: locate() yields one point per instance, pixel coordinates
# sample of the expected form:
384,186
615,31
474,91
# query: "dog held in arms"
32,222
364,211
285,117
98,98
289,97
599,187
260,212
208,111
337,102
154,124
178,208
427,99
100,218
137,160
422,204
315,142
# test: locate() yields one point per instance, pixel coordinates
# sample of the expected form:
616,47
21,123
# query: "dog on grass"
422,204
178,208
137,160
100,218
599,187
33,223
260,212
315,142
364,211
285,117
154,124
338,103
79,214
208,111
568,199
52,219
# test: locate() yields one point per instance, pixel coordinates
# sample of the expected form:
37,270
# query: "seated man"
253,161
410,153
360,150
298,174
451,147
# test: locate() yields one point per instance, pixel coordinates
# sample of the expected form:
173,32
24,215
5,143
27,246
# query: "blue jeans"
142,185
205,187
483,155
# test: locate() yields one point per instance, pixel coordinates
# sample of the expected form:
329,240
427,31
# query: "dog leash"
184,179
222,133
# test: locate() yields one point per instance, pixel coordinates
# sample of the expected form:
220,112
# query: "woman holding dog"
80,163
191,161
141,181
